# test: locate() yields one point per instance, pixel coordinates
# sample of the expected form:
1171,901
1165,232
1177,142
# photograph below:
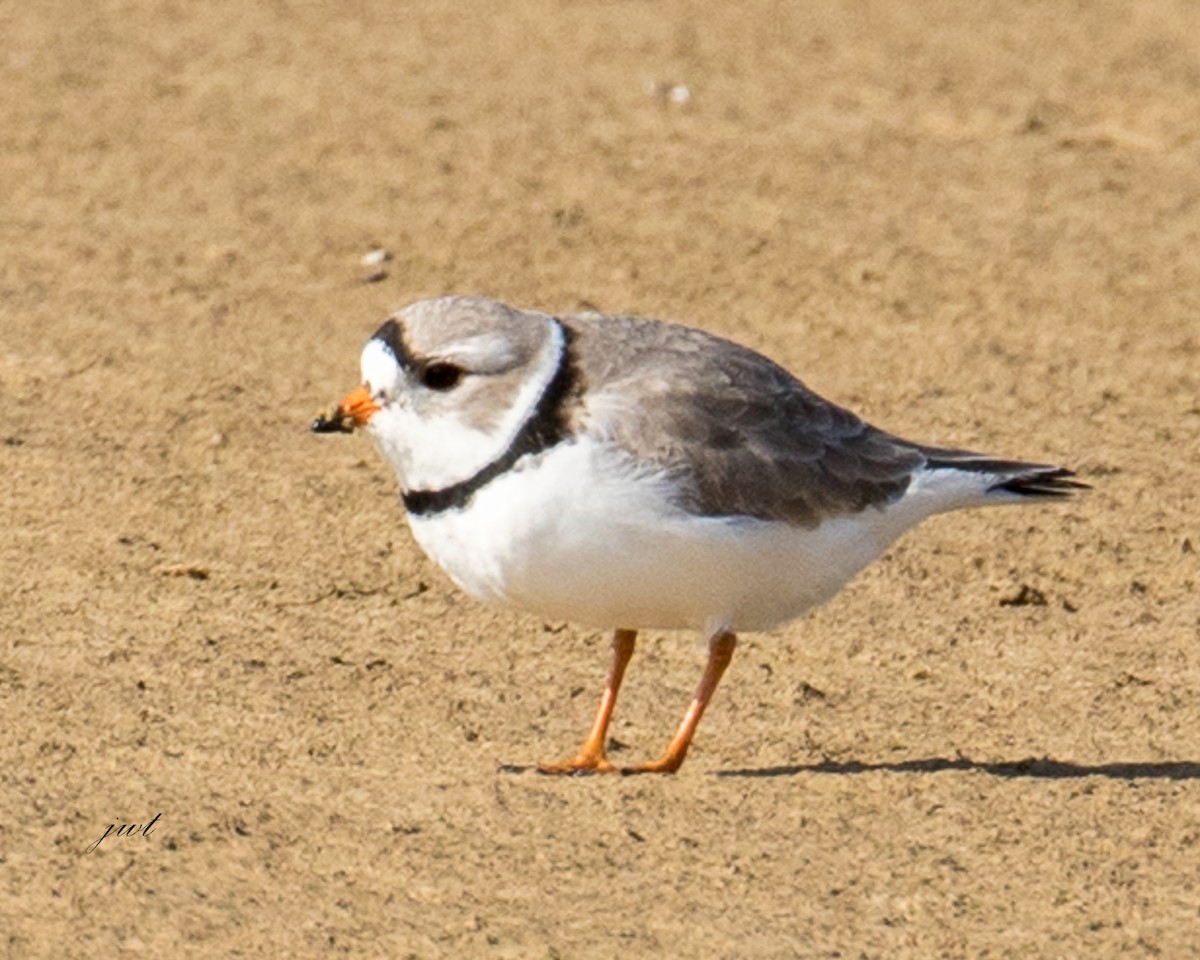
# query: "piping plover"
629,473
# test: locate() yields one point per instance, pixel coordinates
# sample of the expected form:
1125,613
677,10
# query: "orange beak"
354,411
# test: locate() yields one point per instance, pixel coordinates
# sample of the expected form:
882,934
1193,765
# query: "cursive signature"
125,830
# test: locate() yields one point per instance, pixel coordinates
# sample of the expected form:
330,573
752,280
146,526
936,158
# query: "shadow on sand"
1033,767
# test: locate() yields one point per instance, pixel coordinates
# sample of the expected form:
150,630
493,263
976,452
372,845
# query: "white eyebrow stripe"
485,353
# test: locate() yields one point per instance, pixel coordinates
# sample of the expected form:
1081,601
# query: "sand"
975,224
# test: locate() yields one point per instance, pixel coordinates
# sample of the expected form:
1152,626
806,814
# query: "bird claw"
582,765
668,763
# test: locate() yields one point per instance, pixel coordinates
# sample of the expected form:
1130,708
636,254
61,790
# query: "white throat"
435,451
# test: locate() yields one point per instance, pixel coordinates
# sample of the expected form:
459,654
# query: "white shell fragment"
376,257
669,92
373,260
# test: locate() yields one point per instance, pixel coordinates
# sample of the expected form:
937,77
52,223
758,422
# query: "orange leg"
720,652
591,757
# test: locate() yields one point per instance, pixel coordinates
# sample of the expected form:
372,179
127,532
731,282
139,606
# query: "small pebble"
668,91
376,257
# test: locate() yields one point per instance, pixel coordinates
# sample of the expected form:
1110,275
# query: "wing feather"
740,435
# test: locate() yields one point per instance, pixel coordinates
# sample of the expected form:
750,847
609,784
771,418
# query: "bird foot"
582,764
667,763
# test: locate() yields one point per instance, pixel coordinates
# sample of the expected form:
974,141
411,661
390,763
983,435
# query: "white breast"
582,534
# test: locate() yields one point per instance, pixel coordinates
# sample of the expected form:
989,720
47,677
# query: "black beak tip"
337,422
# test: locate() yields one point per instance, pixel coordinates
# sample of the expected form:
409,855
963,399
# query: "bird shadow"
1034,768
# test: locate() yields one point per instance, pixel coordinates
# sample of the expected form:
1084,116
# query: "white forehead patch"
379,368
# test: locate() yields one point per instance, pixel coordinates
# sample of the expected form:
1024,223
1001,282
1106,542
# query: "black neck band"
546,427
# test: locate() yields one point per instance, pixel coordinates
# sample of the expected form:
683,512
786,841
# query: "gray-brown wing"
741,435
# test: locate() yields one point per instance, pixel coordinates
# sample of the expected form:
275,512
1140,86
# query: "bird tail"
1003,480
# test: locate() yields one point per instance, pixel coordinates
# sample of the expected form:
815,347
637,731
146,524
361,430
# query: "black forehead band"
391,335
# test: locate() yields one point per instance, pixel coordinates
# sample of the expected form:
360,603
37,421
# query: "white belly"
579,536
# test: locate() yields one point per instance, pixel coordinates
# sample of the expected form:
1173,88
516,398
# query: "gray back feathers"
740,434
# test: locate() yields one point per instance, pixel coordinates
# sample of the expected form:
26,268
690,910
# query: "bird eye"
441,376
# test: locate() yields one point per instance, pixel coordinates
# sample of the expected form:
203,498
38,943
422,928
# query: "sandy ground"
976,224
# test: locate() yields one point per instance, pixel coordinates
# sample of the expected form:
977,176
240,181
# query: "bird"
634,474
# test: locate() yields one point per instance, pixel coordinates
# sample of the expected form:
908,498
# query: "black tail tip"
1053,482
